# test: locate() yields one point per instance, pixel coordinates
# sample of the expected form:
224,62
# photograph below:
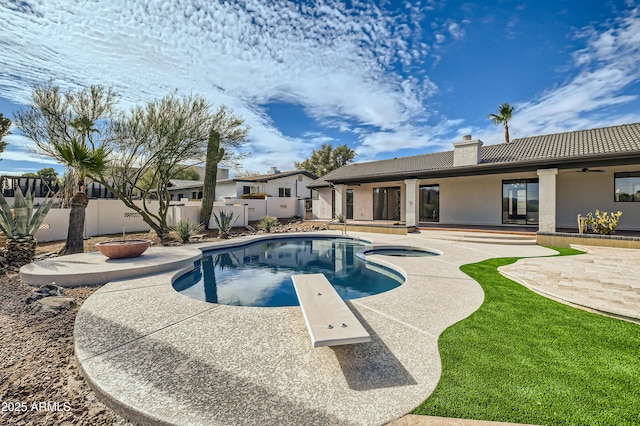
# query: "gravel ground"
40,382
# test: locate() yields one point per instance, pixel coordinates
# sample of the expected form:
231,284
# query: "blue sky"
388,78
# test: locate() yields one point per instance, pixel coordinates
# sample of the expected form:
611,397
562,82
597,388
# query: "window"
429,203
249,189
315,195
627,187
386,203
520,202
284,192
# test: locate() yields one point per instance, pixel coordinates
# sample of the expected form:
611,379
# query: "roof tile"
607,140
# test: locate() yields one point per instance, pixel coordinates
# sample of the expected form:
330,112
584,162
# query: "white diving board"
329,320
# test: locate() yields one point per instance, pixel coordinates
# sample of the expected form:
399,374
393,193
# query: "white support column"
411,202
547,200
340,199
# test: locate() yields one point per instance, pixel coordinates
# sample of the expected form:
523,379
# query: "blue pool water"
259,274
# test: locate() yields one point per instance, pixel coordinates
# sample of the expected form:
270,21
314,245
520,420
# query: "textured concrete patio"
94,268
160,357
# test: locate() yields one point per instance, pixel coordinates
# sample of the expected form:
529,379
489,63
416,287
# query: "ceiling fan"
588,170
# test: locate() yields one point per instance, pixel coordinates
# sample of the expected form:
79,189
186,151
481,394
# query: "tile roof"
569,146
182,183
266,177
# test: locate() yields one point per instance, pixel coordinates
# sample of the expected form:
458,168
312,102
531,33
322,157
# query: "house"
275,184
192,189
540,182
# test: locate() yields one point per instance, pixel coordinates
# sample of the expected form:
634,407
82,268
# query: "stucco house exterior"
275,184
539,182
192,189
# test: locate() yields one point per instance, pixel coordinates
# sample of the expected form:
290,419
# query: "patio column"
547,200
411,202
340,200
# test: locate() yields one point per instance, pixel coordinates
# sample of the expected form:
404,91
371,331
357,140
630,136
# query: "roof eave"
618,158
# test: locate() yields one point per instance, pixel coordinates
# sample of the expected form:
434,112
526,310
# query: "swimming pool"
259,273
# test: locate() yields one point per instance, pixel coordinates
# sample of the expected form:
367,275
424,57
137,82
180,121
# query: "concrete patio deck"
159,357
93,268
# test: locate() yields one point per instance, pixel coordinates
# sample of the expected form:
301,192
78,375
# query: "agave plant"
268,222
20,226
225,222
185,229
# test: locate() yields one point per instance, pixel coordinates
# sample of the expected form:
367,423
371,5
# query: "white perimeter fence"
109,216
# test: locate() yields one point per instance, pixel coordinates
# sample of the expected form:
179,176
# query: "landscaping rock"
46,290
52,305
46,255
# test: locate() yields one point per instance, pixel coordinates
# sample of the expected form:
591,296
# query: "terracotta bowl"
123,249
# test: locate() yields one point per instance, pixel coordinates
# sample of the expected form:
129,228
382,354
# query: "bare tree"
157,141
5,125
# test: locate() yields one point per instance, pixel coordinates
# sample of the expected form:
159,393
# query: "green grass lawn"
527,359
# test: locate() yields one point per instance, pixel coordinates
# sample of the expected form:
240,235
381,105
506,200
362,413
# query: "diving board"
329,320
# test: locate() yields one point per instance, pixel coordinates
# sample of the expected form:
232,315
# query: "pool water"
259,274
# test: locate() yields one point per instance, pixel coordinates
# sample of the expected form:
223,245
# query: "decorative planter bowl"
119,249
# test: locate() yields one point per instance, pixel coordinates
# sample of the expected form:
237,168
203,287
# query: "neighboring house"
38,186
542,182
192,189
275,184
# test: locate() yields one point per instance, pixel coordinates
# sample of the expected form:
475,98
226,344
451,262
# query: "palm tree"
72,128
83,160
502,117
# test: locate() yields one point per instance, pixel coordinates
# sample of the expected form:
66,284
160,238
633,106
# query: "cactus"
583,224
20,226
602,223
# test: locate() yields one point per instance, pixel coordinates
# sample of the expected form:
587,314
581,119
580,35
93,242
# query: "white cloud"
332,61
455,30
19,149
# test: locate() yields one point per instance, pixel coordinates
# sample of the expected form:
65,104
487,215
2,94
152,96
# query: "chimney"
468,152
273,171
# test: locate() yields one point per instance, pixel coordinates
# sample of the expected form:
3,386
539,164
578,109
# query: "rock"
46,255
46,290
52,305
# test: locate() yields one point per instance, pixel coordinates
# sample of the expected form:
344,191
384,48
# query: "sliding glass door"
520,202
349,203
429,203
386,203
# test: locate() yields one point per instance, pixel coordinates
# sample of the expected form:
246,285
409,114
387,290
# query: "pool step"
482,237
